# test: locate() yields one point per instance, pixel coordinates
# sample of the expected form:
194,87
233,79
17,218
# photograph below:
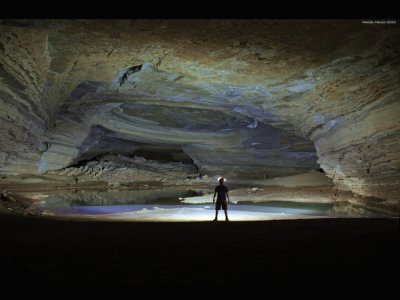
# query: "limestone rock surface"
251,99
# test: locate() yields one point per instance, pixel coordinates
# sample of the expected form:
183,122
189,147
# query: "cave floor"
175,203
311,253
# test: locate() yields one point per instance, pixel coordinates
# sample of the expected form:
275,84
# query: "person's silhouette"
222,199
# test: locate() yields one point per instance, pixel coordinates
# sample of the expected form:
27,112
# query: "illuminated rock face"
248,99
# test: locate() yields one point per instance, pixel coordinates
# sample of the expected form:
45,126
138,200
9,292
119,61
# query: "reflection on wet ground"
117,197
164,204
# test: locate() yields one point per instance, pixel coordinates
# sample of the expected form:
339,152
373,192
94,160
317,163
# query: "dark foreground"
319,252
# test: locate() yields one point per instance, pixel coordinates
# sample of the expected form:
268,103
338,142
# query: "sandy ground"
328,253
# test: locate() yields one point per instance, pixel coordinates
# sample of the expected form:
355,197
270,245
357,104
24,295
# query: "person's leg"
217,208
226,214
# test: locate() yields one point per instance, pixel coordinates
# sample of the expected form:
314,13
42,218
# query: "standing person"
222,199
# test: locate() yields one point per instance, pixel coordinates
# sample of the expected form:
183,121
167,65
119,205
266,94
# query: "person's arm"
215,193
227,197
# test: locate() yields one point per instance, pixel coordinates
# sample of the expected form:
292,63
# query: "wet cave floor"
169,204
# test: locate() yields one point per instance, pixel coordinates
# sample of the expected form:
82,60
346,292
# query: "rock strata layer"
252,99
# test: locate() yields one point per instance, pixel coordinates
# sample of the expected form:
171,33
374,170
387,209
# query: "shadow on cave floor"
305,253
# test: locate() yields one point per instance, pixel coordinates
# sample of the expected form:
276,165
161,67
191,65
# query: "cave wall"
351,117
24,112
334,84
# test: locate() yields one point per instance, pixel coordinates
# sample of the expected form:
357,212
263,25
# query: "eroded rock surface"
251,99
